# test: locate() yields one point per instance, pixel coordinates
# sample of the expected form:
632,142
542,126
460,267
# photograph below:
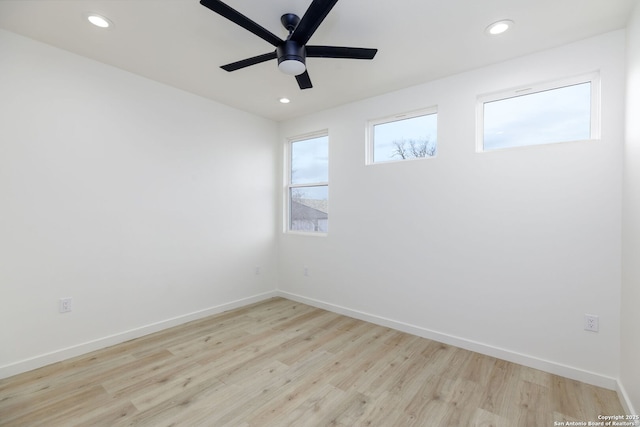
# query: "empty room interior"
436,225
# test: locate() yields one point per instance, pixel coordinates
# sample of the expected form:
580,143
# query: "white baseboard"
97,344
626,401
500,353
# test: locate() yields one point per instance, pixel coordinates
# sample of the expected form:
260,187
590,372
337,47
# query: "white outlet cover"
591,323
64,305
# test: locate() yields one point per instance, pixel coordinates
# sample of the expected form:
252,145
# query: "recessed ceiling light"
499,27
285,100
99,20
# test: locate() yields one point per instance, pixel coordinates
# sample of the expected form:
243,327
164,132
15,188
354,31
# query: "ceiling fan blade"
234,16
249,61
304,81
340,52
312,19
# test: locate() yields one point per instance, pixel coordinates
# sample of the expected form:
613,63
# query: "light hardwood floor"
281,363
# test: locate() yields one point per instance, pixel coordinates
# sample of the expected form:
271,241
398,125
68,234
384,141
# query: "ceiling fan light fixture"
499,27
292,67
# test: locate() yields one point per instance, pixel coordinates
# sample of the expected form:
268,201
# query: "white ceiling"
182,44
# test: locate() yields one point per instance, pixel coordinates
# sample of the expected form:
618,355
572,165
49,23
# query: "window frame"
288,185
593,78
370,133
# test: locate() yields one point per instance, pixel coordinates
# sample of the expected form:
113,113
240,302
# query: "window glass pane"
309,208
310,160
405,139
555,115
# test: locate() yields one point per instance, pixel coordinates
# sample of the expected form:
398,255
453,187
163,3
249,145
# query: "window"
403,137
543,114
308,184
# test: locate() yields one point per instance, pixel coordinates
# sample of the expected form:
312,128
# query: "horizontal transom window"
403,137
560,111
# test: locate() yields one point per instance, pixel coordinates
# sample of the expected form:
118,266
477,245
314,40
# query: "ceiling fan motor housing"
291,51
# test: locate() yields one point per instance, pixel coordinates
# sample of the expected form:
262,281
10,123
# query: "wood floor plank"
155,390
532,404
282,363
309,411
68,407
484,418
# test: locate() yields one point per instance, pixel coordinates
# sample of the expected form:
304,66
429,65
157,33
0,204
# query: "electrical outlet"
64,305
591,323
306,270
257,270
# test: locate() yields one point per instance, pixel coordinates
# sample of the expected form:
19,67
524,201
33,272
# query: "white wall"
630,336
500,252
149,206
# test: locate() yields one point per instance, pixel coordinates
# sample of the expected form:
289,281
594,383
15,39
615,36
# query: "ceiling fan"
292,52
